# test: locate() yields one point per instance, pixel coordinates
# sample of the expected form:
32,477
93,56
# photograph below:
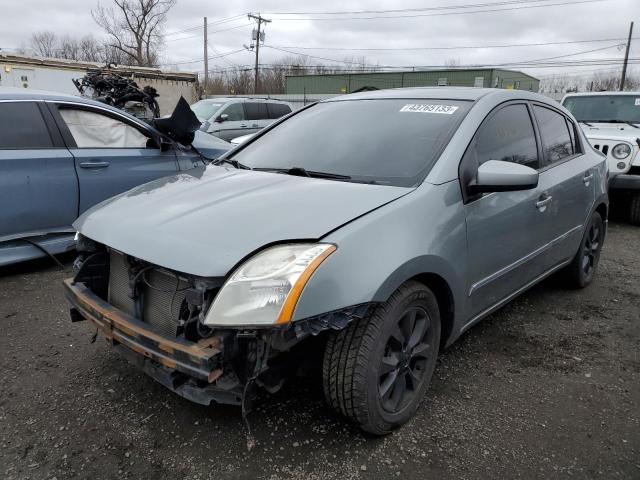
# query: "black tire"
401,336
634,209
583,268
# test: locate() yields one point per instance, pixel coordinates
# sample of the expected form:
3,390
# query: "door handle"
92,164
543,201
244,125
587,178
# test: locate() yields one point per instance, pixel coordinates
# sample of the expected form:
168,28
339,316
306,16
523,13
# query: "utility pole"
626,59
206,59
258,18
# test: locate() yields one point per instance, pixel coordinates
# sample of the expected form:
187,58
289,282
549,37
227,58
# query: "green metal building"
355,82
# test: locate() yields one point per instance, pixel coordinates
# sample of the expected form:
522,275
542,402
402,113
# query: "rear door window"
277,110
556,139
508,135
256,111
22,127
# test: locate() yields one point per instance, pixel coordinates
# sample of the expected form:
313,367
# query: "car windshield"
605,108
205,110
381,141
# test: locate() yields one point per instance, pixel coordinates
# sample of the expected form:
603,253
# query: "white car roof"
594,94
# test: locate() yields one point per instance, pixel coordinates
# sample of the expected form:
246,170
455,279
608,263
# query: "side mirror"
499,176
222,118
165,144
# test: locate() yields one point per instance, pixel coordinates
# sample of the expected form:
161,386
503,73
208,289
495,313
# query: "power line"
437,14
225,54
345,70
210,33
350,62
199,27
461,47
404,10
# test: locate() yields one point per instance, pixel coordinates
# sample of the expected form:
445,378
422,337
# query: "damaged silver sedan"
377,227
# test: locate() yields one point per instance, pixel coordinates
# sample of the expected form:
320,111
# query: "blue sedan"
61,154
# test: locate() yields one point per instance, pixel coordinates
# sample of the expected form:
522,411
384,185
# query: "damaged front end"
155,318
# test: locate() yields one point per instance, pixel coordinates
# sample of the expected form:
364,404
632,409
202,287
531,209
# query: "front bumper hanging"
159,357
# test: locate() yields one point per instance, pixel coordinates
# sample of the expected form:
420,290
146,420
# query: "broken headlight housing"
265,289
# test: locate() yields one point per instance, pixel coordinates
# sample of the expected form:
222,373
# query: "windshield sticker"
426,108
637,102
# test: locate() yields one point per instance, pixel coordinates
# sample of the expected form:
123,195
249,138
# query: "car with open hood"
361,234
62,154
611,122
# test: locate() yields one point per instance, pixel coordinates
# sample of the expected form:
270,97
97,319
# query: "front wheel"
584,265
634,209
377,370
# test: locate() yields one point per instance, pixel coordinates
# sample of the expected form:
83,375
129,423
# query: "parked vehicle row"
611,122
62,154
386,223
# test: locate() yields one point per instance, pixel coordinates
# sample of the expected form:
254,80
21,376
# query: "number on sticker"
427,108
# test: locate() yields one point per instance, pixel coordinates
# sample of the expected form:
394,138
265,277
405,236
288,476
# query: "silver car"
229,118
378,226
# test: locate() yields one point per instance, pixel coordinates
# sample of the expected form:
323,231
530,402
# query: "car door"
506,231
38,184
112,153
257,116
568,178
233,125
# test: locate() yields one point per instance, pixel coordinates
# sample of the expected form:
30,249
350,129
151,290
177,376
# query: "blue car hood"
206,220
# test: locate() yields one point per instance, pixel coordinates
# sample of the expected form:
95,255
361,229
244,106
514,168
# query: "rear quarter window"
277,110
22,127
256,111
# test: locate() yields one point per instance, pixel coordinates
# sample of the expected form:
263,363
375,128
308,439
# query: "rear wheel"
377,369
584,265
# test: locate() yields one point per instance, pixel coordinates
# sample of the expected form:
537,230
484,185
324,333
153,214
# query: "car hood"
206,220
611,131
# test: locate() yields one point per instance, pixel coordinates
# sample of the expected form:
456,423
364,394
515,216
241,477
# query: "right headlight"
265,289
621,151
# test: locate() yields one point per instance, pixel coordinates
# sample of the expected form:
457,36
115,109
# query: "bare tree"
44,44
135,28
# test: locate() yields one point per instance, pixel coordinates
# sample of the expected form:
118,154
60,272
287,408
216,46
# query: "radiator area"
162,294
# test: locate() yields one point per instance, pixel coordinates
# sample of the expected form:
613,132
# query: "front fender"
421,233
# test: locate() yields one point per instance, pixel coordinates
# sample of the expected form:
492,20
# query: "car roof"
240,99
597,94
22,94
440,93
12,93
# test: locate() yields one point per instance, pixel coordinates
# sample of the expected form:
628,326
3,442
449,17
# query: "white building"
56,75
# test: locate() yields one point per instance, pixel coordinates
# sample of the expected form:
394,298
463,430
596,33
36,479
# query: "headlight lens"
621,150
265,289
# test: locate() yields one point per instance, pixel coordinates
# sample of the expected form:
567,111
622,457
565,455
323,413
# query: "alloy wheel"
404,362
591,250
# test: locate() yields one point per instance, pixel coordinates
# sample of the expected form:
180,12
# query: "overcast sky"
572,21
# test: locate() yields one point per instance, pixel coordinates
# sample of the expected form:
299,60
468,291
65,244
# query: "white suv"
611,123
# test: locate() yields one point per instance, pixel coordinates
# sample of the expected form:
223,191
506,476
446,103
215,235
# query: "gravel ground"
548,387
